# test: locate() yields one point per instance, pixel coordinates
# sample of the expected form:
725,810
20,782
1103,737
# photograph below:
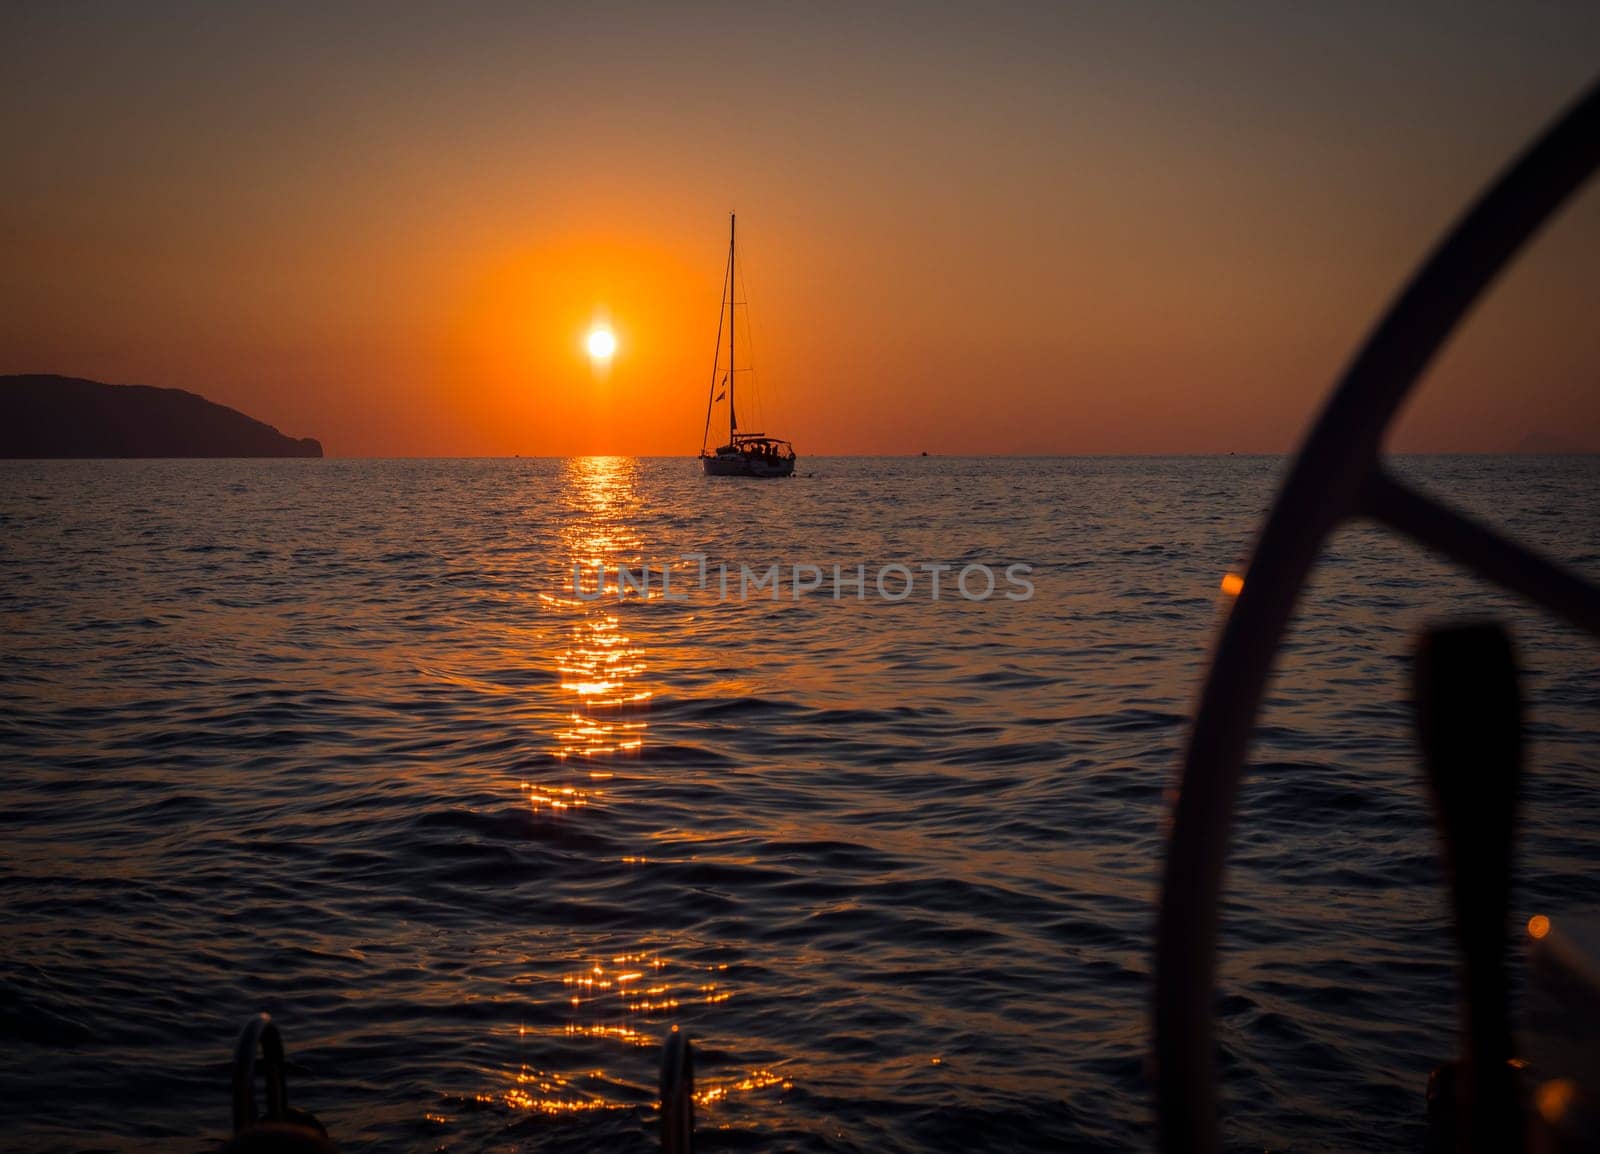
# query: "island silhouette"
43,415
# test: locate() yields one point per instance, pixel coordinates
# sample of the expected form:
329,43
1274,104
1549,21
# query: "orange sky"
1020,229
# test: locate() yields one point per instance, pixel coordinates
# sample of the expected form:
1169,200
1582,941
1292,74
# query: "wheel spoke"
1441,528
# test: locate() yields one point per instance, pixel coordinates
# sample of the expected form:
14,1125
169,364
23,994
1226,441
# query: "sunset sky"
965,229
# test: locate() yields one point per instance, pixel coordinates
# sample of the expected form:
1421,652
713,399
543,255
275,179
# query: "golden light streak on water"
755,1080
539,1091
599,668
546,1093
624,999
619,1033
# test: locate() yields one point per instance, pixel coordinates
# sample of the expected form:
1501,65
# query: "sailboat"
745,454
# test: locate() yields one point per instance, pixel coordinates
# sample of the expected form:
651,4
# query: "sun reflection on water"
626,1002
631,998
756,1080
598,670
547,1093
600,667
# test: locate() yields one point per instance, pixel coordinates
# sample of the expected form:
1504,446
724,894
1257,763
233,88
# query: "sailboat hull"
746,465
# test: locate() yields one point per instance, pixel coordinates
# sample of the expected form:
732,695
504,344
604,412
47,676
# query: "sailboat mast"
733,288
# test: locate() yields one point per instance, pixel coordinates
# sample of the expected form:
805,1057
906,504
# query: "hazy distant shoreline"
44,416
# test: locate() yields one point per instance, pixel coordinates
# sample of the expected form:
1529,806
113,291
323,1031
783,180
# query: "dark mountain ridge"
42,415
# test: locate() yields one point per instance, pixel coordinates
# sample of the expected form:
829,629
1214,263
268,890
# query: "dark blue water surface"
334,739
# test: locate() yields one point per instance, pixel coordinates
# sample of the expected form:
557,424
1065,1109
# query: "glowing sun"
601,344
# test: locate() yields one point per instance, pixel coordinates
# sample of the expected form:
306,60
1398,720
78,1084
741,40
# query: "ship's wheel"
1339,476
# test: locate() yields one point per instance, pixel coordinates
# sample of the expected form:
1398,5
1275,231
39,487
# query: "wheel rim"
1338,476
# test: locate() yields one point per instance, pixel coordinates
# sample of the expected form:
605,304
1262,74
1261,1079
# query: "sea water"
344,741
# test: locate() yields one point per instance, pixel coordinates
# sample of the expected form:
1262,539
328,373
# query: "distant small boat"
745,454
